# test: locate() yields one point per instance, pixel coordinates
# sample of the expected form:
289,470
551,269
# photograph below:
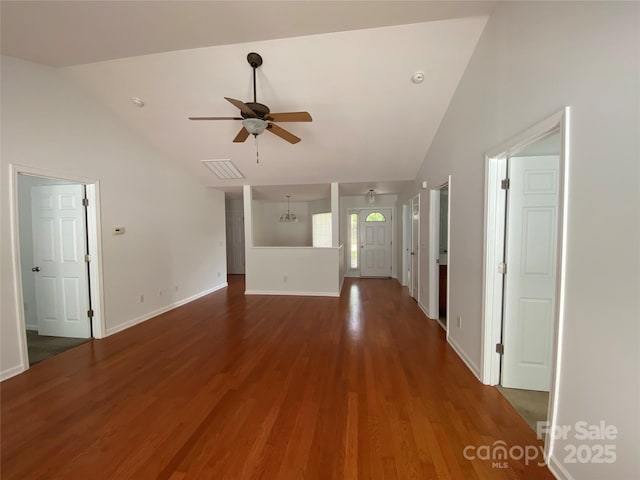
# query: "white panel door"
59,247
235,242
375,243
530,281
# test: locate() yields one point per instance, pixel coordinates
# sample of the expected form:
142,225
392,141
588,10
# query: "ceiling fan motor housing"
259,109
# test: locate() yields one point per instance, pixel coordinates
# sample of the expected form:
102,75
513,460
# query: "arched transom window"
375,217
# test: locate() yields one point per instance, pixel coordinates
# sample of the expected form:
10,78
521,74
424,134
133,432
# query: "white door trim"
434,244
415,248
94,245
495,168
434,252
406,244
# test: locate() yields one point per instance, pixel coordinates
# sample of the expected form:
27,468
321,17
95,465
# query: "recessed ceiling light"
138,102
417,77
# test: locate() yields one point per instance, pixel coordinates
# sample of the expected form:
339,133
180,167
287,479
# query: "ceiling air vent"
224,169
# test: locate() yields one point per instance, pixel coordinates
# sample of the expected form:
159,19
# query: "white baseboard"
155,313
557,469
467,361
10,372
424,310
291,293
33,328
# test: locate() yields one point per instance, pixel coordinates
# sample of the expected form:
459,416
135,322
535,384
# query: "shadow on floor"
531,405
42,347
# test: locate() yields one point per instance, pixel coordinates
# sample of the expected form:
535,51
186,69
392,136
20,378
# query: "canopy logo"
499,454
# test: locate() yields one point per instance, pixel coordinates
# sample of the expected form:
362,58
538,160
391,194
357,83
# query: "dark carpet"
42,347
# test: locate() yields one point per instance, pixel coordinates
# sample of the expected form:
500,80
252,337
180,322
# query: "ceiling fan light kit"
255,126
257,117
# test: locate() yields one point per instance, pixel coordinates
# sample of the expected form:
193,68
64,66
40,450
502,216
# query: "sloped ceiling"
370,122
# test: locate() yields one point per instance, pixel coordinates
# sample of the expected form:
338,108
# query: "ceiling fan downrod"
255,60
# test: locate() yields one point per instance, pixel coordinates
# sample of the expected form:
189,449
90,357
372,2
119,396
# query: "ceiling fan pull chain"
257,155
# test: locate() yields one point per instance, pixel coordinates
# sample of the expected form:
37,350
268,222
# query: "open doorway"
55,232
443,253
439,252
234,218
523,267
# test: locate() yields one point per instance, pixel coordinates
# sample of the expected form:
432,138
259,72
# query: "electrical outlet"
459,321
284,278
176,288
141,298
159,293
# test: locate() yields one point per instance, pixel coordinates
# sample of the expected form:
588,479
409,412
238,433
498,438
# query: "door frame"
434,252
406,244
96,291
229,211
390,211
415,273
494,242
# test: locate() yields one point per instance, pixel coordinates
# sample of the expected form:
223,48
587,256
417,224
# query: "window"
375,217
321,229
353,239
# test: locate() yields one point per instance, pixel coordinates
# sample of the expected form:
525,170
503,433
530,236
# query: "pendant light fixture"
288,217
371,196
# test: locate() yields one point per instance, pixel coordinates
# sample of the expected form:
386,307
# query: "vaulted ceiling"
347,63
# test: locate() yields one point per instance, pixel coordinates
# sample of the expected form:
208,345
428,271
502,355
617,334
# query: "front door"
531,271
59,248
375,242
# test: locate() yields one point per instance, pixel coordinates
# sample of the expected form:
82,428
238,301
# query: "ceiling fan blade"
290,117
242,106
282,133
242,136
215,118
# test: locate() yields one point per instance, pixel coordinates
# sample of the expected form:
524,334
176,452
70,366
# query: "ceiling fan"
256,117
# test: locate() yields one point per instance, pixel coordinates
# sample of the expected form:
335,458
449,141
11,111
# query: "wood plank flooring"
233,387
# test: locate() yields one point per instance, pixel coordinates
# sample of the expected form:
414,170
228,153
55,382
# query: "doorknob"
411,253
35,269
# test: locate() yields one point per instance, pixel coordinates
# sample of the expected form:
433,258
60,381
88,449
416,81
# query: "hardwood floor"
234,387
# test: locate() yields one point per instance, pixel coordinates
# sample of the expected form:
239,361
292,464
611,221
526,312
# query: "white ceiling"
370,122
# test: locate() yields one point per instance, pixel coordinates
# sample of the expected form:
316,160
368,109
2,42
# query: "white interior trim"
495,166
160,311
434,241
95,250
293,293
416,250
448,300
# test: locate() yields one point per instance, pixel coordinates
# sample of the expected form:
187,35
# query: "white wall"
175,233
272,233
294,271
534,58
287,270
